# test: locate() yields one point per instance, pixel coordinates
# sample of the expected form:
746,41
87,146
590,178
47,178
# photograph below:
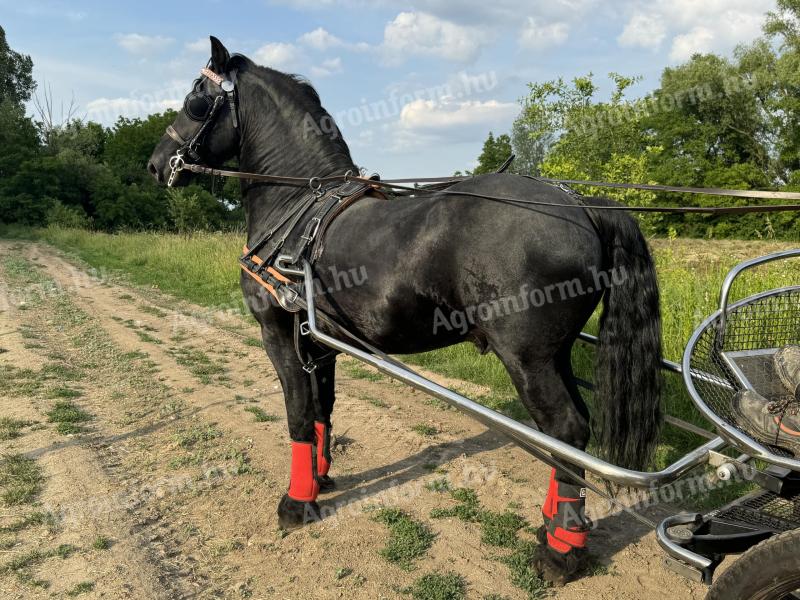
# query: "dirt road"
167,486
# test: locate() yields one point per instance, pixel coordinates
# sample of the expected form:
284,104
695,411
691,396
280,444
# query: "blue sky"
415,86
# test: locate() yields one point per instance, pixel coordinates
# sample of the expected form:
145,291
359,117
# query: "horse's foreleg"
299,505
322,382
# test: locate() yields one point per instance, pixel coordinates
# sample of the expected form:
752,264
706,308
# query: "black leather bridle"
202,107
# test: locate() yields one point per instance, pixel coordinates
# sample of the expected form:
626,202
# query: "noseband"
204,108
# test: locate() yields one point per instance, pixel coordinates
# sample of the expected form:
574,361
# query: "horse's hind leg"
548,393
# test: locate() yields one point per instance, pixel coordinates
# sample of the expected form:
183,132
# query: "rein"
315,183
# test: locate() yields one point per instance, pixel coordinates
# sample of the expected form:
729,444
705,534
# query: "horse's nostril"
154,171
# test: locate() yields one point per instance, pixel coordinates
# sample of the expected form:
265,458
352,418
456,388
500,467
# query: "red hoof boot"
299,506
561,555
559,569
293,514
322,432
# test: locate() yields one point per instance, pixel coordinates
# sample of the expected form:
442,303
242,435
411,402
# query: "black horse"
429,259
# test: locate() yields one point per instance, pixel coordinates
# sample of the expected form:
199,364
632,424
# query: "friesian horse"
433,255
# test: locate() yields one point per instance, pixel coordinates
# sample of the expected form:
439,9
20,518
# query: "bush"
70,217
192,208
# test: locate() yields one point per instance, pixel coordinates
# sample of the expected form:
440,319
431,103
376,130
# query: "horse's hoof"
555,568
294,513
326,484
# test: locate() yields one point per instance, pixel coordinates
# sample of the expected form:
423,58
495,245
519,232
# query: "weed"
523,575
101,543
147,338
438,586
30,520
198,363
343,572
12,428
357,371
67,415
81,588
152,310
64,392
254,342
125,297
426,430
442,484
261,415
21,479
408,539
196,434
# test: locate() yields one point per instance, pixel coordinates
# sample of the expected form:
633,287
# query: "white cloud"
200,45
646,31
699,39
280,56
107,110
431,115
329,67
143,45
417,33
692,26
537,34
320,39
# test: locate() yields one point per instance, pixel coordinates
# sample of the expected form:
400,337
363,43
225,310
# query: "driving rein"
204,108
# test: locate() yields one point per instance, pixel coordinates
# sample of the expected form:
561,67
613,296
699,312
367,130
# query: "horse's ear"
219,56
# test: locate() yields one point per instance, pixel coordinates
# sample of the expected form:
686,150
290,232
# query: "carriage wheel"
768,571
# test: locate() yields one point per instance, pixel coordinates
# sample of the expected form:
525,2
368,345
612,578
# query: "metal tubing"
527,437
676,550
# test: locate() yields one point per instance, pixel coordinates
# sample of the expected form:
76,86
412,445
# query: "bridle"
202,107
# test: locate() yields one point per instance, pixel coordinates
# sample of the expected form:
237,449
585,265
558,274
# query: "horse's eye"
197,105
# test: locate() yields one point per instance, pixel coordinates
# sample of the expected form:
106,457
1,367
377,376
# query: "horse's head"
207,129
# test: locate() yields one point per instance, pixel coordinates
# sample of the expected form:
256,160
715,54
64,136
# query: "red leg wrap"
323,435
564,516
303,485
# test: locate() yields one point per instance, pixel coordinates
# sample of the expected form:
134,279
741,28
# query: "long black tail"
627,416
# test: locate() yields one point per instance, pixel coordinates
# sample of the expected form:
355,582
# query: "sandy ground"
184,482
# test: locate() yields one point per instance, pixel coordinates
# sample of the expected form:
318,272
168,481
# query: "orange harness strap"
269,270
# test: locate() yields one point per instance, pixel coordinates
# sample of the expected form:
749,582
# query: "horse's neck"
266,205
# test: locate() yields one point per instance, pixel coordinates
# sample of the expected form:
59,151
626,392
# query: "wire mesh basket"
734,349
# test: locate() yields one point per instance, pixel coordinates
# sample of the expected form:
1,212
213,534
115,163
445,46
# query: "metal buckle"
310,367
313,233
304,328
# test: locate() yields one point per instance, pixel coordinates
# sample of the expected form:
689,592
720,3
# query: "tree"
495,152
130,142
16,74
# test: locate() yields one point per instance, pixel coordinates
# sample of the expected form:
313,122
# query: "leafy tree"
130,142
16,74
192,208
18,139
495,152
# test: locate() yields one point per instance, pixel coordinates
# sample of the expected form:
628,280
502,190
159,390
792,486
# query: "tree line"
714,121
80,174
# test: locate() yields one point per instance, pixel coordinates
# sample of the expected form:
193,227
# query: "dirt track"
184,482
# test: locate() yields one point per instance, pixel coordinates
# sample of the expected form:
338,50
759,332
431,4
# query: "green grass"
101,543
68,417
261,416
438,586
197,434
425,430
409,539
31,520
81,588
690,273
20,479
12,428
